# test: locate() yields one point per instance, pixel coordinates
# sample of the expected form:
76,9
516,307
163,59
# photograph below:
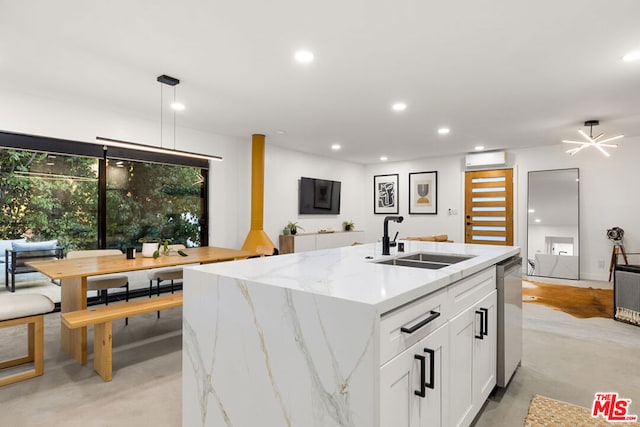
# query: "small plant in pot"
348,225
293,227
154,247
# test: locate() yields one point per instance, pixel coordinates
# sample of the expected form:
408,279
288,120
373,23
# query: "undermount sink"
437,258
426,260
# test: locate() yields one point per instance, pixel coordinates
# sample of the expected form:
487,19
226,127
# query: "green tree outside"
46,197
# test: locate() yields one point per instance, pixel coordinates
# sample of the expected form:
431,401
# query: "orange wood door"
489,207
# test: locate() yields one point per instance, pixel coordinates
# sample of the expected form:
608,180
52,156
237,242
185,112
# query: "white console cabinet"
305,242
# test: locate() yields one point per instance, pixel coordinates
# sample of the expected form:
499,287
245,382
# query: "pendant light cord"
161,124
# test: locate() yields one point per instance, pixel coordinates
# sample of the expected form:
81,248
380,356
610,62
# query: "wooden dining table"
73,274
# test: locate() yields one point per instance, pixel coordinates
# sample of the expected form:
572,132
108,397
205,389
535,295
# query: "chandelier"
592,141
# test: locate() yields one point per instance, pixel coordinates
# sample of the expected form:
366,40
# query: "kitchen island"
336,338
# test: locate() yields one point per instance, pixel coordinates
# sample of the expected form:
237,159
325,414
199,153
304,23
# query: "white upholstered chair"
103,283
166,273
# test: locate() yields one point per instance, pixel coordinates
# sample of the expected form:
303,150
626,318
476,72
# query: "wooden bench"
101,318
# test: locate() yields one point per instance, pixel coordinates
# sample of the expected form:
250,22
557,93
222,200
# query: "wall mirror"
553,236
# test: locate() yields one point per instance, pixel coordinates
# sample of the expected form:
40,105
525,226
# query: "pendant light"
164,80
592,141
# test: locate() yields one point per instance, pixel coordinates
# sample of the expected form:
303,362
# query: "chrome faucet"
385,236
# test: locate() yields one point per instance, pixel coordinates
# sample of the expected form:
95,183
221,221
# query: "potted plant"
154,247
293,227
348,225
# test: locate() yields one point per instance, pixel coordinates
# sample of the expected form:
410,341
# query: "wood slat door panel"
489,207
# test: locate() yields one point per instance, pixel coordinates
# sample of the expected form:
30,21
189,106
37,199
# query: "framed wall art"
423,193
385,192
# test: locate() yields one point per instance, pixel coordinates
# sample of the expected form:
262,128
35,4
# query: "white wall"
229,179
608,198
449,195
608,195
283,169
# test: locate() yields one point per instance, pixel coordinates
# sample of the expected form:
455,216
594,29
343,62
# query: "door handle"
481,336
433,315
422,392
484,326
432,371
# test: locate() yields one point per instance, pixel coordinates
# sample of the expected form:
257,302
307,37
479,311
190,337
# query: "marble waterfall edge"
256,355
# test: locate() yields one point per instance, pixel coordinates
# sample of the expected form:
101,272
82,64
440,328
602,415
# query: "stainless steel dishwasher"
509,284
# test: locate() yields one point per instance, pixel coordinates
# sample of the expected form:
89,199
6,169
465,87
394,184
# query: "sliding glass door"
88,196
149,200
49,196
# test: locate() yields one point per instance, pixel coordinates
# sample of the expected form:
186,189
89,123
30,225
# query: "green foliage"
146,200
43,201
60,201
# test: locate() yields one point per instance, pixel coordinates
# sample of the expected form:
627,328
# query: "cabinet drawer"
467,292
419,318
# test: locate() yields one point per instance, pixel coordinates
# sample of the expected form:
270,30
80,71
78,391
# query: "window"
87,197
49,196
153,200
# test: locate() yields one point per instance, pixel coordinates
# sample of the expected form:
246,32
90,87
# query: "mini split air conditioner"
490,158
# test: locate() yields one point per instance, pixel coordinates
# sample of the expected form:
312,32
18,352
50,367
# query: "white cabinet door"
485,349
305,243
399,379
473,340
413,384
462,332
433,411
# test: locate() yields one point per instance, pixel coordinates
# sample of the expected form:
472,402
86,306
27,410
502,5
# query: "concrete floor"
568,359
564,358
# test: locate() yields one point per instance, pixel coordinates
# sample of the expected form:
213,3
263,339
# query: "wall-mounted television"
319,196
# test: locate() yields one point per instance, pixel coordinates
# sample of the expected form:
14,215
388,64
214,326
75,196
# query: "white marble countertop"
351,273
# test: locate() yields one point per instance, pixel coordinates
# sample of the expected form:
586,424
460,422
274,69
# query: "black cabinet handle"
485,325
432,368
423,391
432,316
481,336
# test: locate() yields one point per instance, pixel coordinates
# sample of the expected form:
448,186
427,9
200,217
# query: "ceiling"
498,73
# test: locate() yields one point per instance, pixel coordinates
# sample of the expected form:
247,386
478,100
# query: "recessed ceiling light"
479,147
532,210
538,220
177,106
399,106
336,147
632,56
303,56
384,158
444,131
